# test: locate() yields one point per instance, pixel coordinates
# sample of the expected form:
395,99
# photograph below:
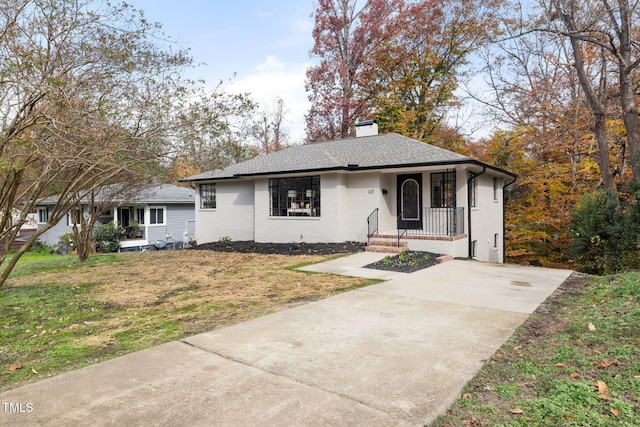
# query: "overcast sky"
265,43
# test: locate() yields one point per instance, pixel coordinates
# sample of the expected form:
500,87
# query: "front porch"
439,230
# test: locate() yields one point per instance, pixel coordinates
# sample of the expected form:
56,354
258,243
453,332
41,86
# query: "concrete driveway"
392,354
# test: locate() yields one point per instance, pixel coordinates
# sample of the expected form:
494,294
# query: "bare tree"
86,89
211,130
268,129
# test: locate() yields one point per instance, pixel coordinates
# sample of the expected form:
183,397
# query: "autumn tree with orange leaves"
346,33
559,92
398,62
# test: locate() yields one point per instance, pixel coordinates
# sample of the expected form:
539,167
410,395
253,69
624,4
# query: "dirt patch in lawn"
186,277
87,314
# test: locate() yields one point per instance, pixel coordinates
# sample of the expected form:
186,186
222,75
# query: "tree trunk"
631,123
595,103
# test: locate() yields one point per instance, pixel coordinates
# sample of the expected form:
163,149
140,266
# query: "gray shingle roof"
369,152
165,193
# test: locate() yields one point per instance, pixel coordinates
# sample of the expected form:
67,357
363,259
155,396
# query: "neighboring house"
27,229
161,213
381,189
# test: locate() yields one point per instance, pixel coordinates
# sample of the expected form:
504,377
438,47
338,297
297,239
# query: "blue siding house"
158,215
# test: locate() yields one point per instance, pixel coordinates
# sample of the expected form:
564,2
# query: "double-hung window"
140,215
43,215
295,196
74,216
207,196
474,192
156,215
443,190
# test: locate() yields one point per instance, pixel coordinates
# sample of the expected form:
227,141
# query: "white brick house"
361,189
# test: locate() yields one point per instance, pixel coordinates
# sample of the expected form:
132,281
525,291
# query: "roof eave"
352,168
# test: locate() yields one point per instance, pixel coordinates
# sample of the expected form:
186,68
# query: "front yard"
57,314
574,362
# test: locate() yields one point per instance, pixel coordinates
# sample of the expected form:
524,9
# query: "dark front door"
410,201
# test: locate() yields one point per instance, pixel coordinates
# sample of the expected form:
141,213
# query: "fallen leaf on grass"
466,396
517,411
34,371
15,367
605,397
592,327
602,386
561,365
574,376
615,412
606,363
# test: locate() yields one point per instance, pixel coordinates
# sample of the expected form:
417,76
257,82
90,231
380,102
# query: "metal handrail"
372,224
401,235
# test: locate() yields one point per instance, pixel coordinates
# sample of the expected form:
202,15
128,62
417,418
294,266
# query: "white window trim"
46,210
71,220
148,216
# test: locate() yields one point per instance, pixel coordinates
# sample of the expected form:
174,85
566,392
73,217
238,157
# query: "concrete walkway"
392,354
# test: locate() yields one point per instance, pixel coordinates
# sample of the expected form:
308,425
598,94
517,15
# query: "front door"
410,201
124,217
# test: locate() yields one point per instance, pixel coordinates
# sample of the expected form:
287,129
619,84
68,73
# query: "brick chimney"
366,128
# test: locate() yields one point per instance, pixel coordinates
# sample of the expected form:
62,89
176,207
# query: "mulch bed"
283,248
407,262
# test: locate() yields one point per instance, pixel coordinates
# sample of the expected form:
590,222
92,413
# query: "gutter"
471,178
353,167
504,210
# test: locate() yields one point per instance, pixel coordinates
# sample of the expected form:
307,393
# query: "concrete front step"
386,246
388,242
22,236
386,249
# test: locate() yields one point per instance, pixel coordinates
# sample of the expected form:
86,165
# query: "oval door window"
410,200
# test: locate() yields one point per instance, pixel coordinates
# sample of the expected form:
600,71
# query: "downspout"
471,178
504,210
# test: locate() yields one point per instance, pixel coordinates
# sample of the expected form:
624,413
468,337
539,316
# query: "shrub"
107,237
225,242
604,227
40,247
66,244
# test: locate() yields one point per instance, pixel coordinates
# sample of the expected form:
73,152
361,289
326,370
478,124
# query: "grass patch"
575,362
57,314
310,262
33,263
